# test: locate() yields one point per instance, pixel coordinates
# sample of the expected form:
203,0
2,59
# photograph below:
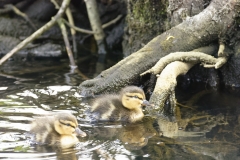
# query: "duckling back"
43,130
125,106
104,108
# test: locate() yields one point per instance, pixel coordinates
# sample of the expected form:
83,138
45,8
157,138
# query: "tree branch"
169,68
36,34
193,57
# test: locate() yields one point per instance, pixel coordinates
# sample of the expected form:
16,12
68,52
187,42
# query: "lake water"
208,123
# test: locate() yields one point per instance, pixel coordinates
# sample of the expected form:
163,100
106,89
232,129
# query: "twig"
91,32
73,66
66,41
20,4
55,4
36,34
73,31
14,77
65,38
185,106
78,29
18,12
5,10
112,21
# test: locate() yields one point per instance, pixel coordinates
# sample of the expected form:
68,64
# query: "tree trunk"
197,31
145,20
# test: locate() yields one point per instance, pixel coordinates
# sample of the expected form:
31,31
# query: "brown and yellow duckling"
60,129
125,106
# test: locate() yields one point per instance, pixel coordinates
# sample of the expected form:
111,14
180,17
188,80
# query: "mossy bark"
145,20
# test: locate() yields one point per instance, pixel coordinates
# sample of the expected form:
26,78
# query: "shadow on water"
207,126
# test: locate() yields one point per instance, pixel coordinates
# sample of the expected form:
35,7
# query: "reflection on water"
104,140
207,127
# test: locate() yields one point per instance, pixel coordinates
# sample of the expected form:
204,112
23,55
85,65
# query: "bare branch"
91,32
18,12
112,21
66,41
36,34
193,57
94,19
73,31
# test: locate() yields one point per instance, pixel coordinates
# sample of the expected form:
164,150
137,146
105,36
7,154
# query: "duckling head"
66,124
133,98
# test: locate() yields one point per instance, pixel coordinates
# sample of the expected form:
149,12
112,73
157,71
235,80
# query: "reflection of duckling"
59,129
127,106
135,136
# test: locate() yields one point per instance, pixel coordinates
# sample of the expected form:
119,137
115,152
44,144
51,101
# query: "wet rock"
31,50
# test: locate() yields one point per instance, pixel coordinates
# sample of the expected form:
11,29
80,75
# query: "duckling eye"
68,125
137,97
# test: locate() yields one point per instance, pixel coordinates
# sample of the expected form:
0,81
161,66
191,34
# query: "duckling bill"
125,106
60,129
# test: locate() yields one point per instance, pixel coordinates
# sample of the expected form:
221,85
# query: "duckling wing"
106,108
41,124
42,128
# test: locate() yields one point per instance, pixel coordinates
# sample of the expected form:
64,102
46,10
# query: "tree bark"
145,20
197,31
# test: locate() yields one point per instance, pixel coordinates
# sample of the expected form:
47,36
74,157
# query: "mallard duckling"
59,129
126,106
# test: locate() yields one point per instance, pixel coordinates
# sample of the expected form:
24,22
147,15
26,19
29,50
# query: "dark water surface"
207,126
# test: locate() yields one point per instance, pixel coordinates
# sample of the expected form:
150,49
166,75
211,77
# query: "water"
208,124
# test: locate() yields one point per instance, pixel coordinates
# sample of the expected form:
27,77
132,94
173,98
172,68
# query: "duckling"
126,106
59,129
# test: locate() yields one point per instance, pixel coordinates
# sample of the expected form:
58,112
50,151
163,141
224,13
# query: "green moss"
145,20
148,12
21,149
